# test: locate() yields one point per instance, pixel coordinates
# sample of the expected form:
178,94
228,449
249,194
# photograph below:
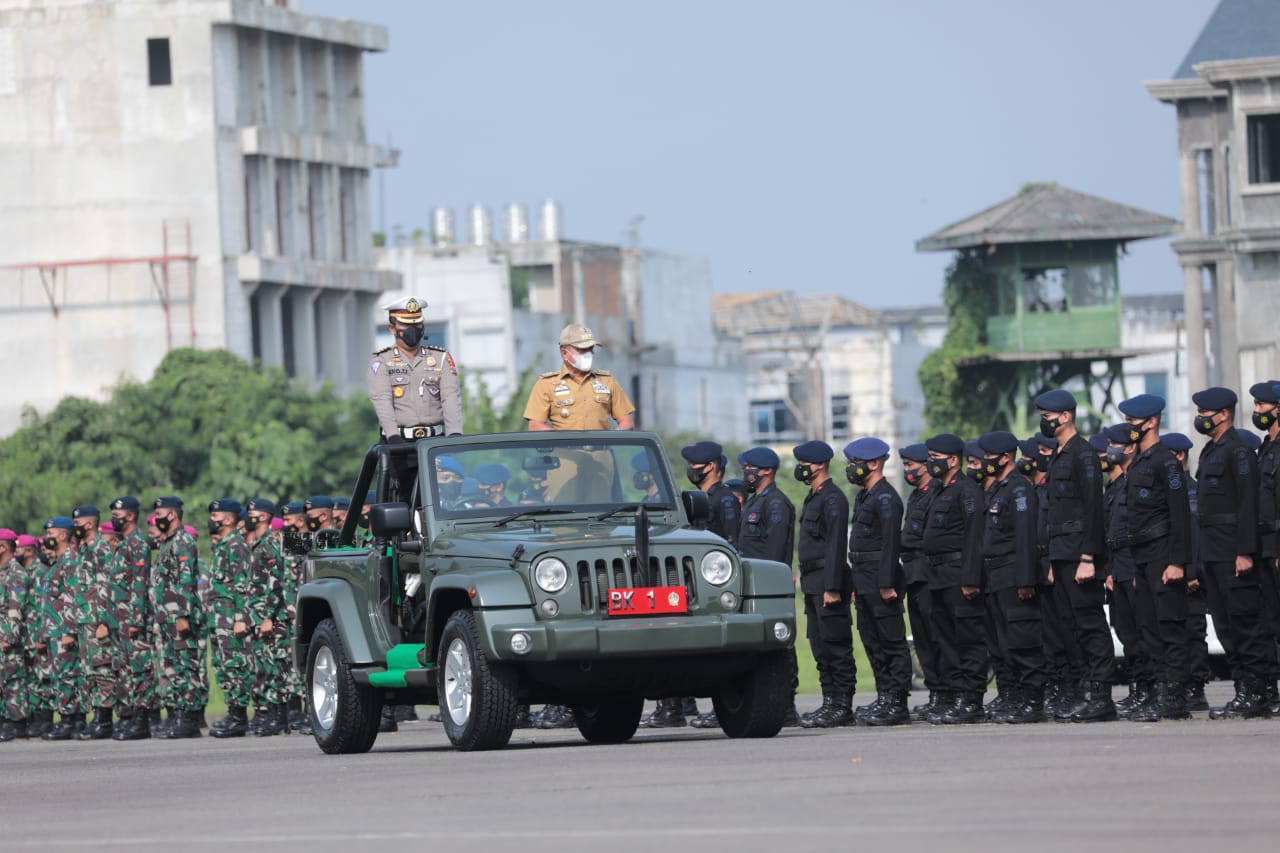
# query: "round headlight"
716,568
551,574
781,631
520,642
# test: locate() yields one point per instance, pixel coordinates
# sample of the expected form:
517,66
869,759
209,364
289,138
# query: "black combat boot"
920,712
945,701
186,725
689,706
838,712
522,718
556,717
966,709
998,705
200,720
138,727
667,715
275,720
102,727
406,714
388,721
304,728
234,724
13,729
1228,711
1137,691
170,720
809,715
1271,695
1012,702
64,729
1028,709
1172,704
860,713
1070,699
1145,709
41,722
1250,702
892,711
709,720
1097,707
1196,700
154,720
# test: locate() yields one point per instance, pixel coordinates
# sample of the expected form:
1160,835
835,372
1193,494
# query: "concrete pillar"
306,356
1193,311
1226,324
335,352
1189,179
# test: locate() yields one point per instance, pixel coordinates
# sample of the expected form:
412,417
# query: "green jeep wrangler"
585,582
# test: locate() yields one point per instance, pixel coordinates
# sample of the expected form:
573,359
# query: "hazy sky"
803,145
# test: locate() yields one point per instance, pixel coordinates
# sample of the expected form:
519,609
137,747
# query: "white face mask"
582,361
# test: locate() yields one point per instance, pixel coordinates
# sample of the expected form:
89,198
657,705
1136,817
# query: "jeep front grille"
617,573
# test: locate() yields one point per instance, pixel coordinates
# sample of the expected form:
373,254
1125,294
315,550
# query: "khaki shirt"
565,402
415,390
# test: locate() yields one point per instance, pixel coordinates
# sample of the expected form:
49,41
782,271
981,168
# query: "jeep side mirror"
696,505
388,520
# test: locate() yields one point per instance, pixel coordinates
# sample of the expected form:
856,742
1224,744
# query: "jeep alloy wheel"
344,714
477,697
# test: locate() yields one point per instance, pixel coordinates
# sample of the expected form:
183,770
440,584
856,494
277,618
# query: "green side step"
400,659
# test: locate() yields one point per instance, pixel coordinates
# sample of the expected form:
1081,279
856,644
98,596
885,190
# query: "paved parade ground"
1195,786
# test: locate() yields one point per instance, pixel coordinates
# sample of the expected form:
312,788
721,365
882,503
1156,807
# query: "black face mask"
1049,426
1116,457
1042,463
451,491
80,533
119,521
215,527
1136,432
641,480
164,524
912,476
937,468
411,335
1026,467
975,474
51,543
313,524
803,473
46,557
1204,424
696,475
752,479
991,467
857,473
1264,420
364,520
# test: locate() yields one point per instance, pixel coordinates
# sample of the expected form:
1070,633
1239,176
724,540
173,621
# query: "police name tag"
562,389
600,387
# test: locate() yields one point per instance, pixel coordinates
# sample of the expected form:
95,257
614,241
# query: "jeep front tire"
610,720
477,697
344,714
755,703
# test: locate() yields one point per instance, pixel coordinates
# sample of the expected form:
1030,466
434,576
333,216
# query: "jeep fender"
765,578
494,588
333,597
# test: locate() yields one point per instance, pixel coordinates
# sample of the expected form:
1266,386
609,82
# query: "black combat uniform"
1011,562
1228,520
953,550
822,549
726,513
915,571
874,557
1062,652
1269,545
1076,528
1122,570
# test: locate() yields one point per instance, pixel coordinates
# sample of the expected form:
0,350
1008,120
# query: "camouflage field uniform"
60,618
291,580
15,680
96,604
40,663
266,601
175,595
131,570
229,594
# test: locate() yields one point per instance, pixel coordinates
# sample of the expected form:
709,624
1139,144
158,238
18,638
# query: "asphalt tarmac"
1195,786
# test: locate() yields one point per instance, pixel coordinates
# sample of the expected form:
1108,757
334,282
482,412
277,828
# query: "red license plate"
645,600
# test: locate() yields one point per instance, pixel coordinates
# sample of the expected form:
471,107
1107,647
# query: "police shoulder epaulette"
384,349
548,374
602,373
436,348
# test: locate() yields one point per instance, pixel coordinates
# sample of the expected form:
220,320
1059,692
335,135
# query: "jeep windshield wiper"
631,508
541,510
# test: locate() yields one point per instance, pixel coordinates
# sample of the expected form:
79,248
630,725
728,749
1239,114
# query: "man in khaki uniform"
413,388
578,396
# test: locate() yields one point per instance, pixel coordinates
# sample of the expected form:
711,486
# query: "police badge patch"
374,365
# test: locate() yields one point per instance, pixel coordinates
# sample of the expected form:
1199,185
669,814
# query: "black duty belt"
1219,518
863,556
422,431
939,559
1121,543
1269,526
1066,527
998,562
810,565
1149,534
1042,550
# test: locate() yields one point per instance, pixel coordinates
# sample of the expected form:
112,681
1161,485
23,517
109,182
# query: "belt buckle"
419,432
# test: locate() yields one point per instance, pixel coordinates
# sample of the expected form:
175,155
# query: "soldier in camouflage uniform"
39,647
15,598
60,627
298,522
97,629
175,602
266,608
228,583
131,573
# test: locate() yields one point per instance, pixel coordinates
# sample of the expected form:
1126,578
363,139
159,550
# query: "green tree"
480,414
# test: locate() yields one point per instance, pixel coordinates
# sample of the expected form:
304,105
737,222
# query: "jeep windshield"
559,473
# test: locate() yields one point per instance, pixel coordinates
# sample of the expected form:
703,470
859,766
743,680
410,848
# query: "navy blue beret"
1029,447
945,443
1142,406
1119,433
866,449
724,461
1098,441
1176,441
1058,400
168,502
999,442
86,511
914,453
60,521
342,503
973,450
640,461
470,487
759,457
225,505
702,452
1265,392
261,505
293,508
318,502
737,485
1251,439
812,452
492,473
1047,441
448,463
128,502
1213,399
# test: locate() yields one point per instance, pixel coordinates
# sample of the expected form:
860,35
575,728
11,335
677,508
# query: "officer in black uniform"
976,469
1266,417
878,583
1228,519
706,471
1011,561
1197,599
1159,531
822,547
1121,568
1062,655
915,570
953,551
1076,537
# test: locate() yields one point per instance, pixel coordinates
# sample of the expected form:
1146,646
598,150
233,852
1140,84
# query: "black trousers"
1162,618
1271,603
1020,633
1062,653
1124,620
1088,621
830,632
1198,636
920,608
959,625
995,647
884,636
1237,607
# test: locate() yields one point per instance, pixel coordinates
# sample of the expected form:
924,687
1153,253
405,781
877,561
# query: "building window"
1263,133
159,72
770,418
839,417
